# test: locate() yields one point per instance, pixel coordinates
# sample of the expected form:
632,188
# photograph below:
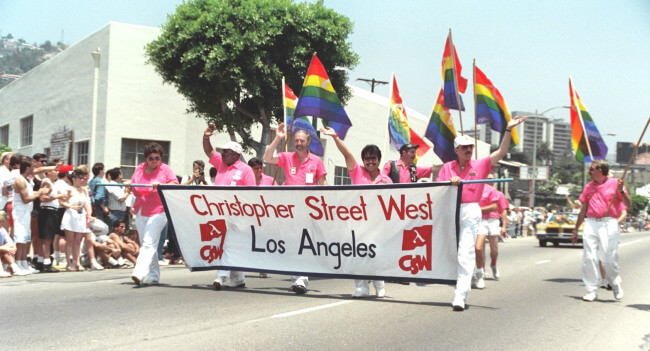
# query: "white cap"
231,145
463,140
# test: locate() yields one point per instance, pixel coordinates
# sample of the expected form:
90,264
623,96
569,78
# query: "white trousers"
149,229
362,287
236,277
470,216
600,241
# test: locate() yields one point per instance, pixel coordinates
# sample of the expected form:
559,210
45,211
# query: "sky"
529,49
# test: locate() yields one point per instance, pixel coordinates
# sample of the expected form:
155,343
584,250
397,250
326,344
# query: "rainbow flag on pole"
583,128
398,124
451,75
441,130
491,107
301,123
318,98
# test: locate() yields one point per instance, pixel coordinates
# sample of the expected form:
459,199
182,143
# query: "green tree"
228,57
4,148
639,203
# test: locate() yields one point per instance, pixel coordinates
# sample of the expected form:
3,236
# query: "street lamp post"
534,172
93,126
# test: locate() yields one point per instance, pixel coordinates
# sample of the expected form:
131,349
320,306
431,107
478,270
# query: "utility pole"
372,83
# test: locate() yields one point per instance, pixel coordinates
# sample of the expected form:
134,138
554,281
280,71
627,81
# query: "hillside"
17,57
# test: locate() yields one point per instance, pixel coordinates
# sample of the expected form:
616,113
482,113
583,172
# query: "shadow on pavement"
641,307
563,280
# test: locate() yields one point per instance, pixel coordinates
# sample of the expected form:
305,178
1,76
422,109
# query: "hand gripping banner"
403,232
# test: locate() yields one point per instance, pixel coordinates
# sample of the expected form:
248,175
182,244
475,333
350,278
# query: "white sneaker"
21,272
590,296
495,272
163,262
5,274
480,283
381,292
32,270
458,304
217,283
95,266
361,292
618,291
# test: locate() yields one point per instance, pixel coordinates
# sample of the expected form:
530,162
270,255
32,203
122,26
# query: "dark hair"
371,149
25,162
38,156
15,160
97,167
199,162
118,222
114,173
213,172
153,148
78,173
255,162
602,165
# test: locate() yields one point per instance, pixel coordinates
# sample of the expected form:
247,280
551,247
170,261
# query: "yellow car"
558,229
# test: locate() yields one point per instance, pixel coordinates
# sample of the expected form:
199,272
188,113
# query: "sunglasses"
153,158
370,159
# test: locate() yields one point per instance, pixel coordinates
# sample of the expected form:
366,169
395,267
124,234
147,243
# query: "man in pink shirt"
464,168
493,207
404,170
230,171
300,168
603,200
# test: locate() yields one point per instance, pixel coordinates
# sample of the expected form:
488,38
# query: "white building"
51,107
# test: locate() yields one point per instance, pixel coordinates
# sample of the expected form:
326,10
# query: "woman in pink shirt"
150,214
369,173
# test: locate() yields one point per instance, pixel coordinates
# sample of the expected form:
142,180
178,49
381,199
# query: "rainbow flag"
449,76
491,107
441,130
318,98
582,122
301,123
398,124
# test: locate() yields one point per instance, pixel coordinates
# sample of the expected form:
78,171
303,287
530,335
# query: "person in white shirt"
116,196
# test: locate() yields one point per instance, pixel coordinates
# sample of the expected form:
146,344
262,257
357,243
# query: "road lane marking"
629,243
310,309
543,261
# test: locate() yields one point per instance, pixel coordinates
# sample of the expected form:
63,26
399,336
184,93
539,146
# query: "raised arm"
497,155
349,158
207,145
270,149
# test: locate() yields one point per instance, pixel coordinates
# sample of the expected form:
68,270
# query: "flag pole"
582,123
284,107
287,131
453,67
390,100
475,113
630,161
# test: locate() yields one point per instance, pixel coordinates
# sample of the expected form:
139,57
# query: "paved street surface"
535,306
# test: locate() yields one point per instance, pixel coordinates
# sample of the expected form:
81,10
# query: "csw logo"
413,239
211,231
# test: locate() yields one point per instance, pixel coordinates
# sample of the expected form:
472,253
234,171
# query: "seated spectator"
129,248
8,251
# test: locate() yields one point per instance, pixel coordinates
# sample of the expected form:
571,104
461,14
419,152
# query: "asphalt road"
535,305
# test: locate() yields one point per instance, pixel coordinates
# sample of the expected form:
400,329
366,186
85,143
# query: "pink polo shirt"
147,200
267,180
405,173
237,173
296,173
360,175
490,196
598,196
474,170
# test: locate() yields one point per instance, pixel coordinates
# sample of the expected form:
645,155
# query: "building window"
4,135
48,152
133,154
81,152
341,176
26,130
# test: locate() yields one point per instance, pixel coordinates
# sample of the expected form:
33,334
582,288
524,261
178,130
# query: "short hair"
602,165
153,148
200,163
371,149
97,167
118,222
114,172
25,162
305,132
79,172
255,161
15,160
213,172
38,156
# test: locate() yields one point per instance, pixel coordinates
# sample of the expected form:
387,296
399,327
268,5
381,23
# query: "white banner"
392,232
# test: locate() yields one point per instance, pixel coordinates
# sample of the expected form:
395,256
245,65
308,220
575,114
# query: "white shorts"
22,228
489,227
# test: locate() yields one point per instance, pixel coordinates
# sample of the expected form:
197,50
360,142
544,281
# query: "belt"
50,208
601,219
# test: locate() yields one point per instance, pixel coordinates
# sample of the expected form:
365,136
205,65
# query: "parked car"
558,229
